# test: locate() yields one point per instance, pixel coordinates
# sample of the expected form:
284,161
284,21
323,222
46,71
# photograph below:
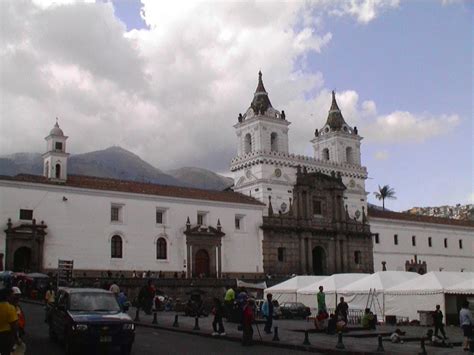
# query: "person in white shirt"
466,322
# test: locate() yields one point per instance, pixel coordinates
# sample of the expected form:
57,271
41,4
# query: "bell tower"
55,158
262,135
338,145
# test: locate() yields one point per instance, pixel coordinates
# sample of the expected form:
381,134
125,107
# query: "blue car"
89,319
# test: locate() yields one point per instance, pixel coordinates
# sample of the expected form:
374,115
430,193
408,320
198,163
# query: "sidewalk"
292,335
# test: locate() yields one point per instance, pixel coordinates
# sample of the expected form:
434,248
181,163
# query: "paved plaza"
292,334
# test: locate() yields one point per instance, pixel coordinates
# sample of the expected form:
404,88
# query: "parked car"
294,310
90,318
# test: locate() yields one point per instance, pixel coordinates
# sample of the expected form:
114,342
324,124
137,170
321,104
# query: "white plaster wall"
437,257
80,228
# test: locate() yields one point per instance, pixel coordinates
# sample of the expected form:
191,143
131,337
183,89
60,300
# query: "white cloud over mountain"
171,93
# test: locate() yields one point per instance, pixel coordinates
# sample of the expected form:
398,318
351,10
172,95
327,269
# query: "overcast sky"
167,80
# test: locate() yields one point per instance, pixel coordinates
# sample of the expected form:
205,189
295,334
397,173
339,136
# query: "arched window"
349,157
116,247
46,169
248,143
274,142
161,248
58,171
325,154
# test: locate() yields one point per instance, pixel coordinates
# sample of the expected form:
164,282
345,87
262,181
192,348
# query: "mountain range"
117,163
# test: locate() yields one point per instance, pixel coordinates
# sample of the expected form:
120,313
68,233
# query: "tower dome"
56,131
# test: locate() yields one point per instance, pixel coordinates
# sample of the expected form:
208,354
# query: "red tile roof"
375,213
97,183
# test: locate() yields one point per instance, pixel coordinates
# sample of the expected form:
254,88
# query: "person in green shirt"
321,298
229,301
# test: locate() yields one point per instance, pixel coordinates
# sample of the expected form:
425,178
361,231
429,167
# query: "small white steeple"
55,158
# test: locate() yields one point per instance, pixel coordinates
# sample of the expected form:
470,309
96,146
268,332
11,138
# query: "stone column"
188,260
219,261
302,255
309,245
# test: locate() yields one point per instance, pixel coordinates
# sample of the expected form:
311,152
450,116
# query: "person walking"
8,323
342,310
49,298
247,321
229,301
267,310
438,322
321,298
146,295
218,312
466,322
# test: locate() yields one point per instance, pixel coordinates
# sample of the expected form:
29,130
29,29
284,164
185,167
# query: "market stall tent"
286,291
424,293
331,285
369,291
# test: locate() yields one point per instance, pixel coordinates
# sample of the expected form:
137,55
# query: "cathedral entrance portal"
202,263
22,260
319,261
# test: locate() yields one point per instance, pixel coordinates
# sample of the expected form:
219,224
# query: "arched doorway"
22,259
201,266
319,261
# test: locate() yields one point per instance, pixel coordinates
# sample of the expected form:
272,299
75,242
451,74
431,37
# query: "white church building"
106,224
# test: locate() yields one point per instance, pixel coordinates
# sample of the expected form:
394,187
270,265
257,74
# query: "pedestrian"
332,324
247,321
218,311
15,302
122,300
438,322
114,288
229,300
134,274
49,298
342,310
267,310
146,295
321,298
466,322
8,323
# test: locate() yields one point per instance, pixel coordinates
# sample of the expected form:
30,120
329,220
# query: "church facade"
288,214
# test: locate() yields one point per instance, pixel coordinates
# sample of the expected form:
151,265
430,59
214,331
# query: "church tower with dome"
265,169
55,158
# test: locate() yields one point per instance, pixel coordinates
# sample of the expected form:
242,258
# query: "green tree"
385,192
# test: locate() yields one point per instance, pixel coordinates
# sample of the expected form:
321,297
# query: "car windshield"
93,301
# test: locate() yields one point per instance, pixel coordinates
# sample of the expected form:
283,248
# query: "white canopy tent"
331,285
462,288
425,292
369,291
286,291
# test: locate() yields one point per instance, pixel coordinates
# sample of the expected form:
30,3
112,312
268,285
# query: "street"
147,341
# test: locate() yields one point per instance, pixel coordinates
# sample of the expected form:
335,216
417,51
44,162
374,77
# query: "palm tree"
385,192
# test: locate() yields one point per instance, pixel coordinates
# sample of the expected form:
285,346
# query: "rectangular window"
116,213
160,216
317,207
281,254
238,222
58,146
376,237
395,239
26,215
357,257
445,242
430,242
460,243
413,240
201,218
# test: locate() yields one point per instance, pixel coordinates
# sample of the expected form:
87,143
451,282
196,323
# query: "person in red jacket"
247,321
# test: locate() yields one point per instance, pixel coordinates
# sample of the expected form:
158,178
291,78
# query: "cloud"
171,92
381,155
363,10
402,126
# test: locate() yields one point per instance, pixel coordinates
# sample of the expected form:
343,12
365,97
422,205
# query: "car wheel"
126,349
52,334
